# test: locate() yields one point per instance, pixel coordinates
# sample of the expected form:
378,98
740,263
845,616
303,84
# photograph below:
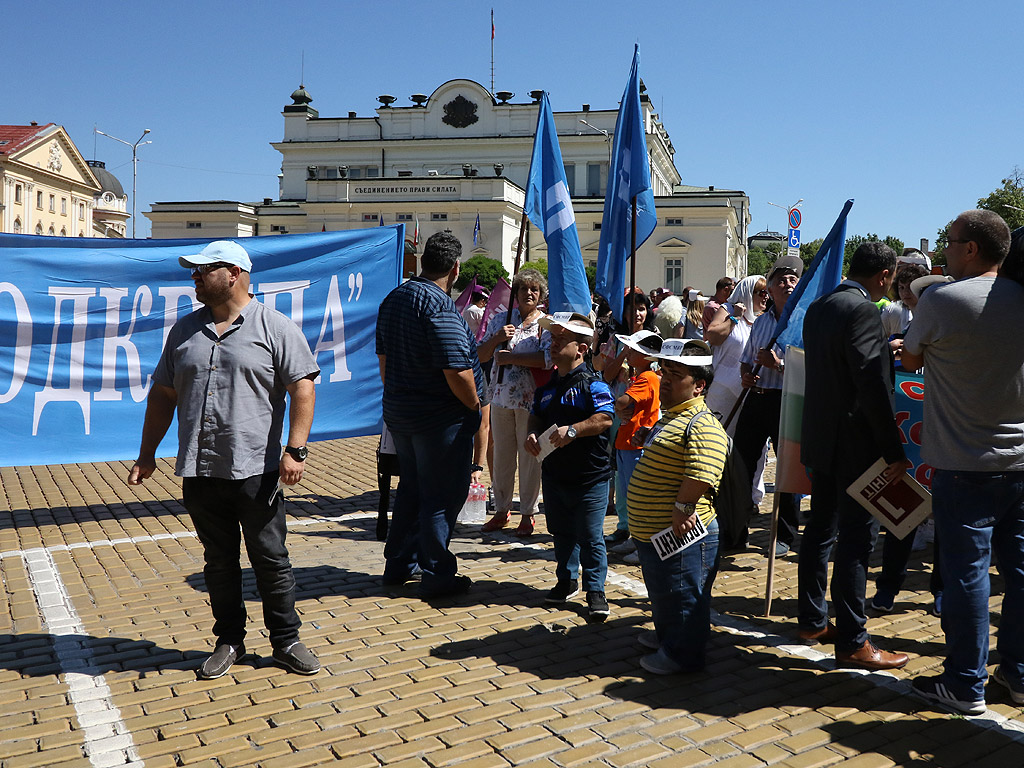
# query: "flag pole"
512,298
770,584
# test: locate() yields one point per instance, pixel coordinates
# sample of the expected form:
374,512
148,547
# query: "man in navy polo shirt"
576,473
432,401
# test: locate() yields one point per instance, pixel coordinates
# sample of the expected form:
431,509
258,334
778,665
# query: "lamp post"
135,164
787,210
607,138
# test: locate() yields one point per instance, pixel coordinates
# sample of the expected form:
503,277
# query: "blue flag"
629,176
821,277
476,230
549,206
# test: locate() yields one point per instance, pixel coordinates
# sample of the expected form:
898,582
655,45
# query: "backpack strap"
711,492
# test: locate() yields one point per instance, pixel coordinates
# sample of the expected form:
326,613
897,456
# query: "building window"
570,179
39,229
593,179
63,232
403,217
39,203
372,172
673,222
193,225
355,173
53,203
279,228
370,217
439,217
17,226
674,275
597,226
81,211
17,193
50,231
63,206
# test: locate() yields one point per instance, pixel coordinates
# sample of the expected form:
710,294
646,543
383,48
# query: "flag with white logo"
549,207
476,231
629,176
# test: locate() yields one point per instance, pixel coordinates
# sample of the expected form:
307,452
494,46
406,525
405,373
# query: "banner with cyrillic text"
83,323
909,419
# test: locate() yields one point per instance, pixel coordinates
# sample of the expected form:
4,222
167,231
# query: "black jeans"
223,511
759,422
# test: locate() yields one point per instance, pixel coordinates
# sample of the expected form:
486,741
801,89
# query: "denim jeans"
835,519
625,463
977,513
680,592
432,489
575,518
219,508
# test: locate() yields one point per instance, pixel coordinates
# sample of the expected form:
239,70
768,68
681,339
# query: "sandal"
496,523
525,526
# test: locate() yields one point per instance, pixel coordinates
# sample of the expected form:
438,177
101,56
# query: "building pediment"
53,152
674,243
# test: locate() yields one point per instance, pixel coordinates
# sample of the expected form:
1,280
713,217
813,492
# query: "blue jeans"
575,518
977,513
680,592
223,511
432,489
835,519
625,463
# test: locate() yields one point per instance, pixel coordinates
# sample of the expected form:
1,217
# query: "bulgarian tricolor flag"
790,474
821,277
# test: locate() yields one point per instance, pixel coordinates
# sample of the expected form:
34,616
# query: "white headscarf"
743,294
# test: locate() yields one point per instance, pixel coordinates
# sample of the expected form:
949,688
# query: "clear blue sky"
914,108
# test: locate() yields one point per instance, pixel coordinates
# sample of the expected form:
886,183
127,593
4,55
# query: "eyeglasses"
763,294
206,269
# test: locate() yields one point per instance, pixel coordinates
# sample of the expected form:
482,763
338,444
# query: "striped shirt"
761,333
667,460
422,334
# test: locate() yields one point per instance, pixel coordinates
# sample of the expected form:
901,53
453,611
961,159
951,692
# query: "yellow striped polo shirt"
667,460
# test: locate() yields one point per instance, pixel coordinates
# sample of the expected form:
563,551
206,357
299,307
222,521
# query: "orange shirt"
643,390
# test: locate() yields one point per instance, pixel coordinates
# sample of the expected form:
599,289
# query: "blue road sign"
794,237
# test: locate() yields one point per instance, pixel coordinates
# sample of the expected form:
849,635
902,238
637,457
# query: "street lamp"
607,137
135,164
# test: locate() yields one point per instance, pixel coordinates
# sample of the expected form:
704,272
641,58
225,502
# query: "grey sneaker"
298,658
219,662
649,640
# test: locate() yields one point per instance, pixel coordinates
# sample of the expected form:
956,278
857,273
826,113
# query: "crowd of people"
635,419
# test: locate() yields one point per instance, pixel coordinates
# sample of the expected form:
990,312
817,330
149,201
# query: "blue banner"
909,419
628,177
83,322
549,206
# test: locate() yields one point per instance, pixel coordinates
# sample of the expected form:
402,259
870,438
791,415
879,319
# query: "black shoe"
298,658
458,585
219,662
882,602
562,591
397,581
597,607
618,535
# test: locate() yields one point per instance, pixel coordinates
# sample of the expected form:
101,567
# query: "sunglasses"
206,269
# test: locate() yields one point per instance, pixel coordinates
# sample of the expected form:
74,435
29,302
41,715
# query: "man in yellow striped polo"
671,490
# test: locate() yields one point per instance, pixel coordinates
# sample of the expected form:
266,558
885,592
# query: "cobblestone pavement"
104,619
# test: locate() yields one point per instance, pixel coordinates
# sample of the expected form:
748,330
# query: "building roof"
108,181
16,137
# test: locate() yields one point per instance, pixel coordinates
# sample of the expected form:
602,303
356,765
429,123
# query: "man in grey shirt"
226,369
967,336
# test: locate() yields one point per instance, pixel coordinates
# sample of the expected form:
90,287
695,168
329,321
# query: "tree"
541,265
809,250
760,260
1007,201
485,270
855,241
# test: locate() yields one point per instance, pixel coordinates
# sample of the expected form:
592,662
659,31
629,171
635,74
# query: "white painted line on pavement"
105,736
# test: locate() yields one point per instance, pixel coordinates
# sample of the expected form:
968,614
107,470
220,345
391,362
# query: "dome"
108,181
301,96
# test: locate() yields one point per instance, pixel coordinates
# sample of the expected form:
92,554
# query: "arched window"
39,229
63,231
50,231
17,226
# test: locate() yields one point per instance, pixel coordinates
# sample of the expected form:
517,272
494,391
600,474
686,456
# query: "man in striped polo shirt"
432,402
672,487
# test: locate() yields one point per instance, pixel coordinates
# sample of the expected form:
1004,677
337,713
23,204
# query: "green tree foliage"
541,265
853,242
485,270
1007,201
760,260
809,250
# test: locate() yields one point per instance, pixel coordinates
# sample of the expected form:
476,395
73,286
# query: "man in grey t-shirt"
967,336
226,369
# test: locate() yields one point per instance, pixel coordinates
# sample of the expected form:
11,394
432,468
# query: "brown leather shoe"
870,657
825,635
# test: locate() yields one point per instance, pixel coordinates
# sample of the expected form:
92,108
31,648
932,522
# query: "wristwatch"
299,454
475,468
571,432
687,509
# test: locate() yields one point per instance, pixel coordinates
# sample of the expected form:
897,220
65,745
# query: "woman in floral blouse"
514,375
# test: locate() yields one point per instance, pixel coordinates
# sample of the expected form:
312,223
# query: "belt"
764,390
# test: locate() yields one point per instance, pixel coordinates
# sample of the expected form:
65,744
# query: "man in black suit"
847,425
